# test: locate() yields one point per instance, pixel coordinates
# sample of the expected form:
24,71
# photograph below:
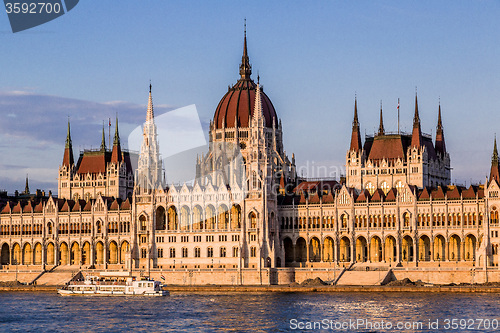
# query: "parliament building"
247,211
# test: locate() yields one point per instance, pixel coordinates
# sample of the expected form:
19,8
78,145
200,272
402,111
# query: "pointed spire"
27,188
495,172
245,67
116,139
258,113
494,158
116,154
381,130
68,137
150,115
440,143
356,136
440,123
416,116
416,137
103,140
68,160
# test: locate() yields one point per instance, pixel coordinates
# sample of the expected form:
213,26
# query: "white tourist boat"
113,284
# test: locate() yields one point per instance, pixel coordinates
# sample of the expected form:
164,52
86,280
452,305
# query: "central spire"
68,150
103,140
245,67
356,136
416,137
381,130
150,114
494,172
440,144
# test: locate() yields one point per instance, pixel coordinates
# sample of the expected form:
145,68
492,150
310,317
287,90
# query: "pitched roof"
452,193
389,147
93,162
469,193
126,204
391,195
39,207
17,208
438,193
424,194
362,197
377,196
28,208
7,208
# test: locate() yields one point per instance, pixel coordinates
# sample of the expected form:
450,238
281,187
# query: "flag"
398,104
162,277
109,122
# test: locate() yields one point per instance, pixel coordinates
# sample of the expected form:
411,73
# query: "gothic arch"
99,253
63,254
223,215
86,253
470,247
38,250
51,250
124,249
210,217
27,254
235,216
314,249
5,254
328,249
197,218
113,252
185,218
288,247
253,219
160,218
75,254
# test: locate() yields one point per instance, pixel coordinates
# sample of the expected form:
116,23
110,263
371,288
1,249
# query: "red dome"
238,103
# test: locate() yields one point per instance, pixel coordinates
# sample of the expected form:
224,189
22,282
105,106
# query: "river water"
252,312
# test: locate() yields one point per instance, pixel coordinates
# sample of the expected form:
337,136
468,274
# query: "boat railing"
101,283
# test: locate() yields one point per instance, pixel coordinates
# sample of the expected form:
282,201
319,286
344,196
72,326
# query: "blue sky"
312,56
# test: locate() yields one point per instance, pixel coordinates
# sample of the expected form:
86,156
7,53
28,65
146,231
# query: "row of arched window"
388,221
197,219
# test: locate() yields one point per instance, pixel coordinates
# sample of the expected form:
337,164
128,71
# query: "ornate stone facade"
248,210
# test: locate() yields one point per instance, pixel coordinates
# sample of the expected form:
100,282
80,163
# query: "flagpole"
398,117
109,132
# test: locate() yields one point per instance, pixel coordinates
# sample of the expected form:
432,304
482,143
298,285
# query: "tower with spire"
67,168
355,156
388,160
98,172
149,174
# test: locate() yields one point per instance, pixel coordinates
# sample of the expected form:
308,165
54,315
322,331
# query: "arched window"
143,221
210,252
406,219
345,219
223,252
49,227
172,252
197,252
399,186
235,251
184,252
370,187
494,215
253,252
385,187
253,220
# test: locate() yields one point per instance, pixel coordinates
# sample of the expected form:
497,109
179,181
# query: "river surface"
252,312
